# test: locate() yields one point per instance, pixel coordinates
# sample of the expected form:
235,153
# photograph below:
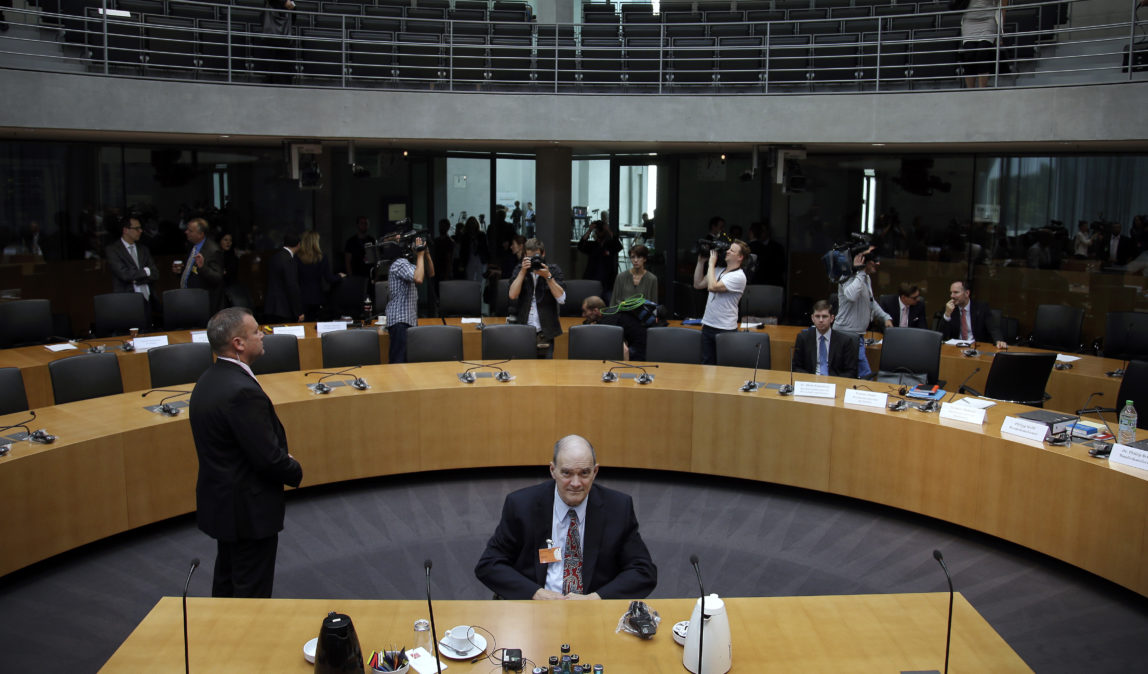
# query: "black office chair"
186,308
347,297
344,348
431,343
739,349
1133,387
280,354
118,313
674,345
89,375
910,356
25,322
596,342
12,396
1126,335
382,296
762,301
460,298
177,364
502,342
501,299
578,290
1057,327
1017,378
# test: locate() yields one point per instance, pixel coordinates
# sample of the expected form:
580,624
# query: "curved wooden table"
116,466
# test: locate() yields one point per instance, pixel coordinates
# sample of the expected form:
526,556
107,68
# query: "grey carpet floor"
368,540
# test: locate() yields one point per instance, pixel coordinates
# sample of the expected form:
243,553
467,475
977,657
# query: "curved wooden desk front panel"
117,467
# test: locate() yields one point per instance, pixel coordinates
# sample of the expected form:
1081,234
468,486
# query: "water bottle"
1128,420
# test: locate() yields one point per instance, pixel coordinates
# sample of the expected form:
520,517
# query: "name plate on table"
1023,428
299,331
199,336
1129,456
814,389
323,327
865,398
143,344
961,412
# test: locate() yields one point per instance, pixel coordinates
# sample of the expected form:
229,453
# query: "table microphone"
186,662
430,609
169,410
949,633
752,385
961,388
701,613
786,389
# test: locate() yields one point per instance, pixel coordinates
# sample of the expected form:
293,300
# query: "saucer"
478,645
309,650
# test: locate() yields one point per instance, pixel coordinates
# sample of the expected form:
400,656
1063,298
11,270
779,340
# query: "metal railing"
905,47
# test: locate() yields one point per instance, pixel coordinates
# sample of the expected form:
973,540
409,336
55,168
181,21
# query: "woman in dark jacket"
314,275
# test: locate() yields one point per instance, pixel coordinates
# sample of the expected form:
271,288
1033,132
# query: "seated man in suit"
822,350
968,320
568,539
907,307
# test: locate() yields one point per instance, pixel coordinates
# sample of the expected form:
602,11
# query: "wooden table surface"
861,633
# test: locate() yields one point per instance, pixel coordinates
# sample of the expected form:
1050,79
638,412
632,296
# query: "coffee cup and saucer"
461,642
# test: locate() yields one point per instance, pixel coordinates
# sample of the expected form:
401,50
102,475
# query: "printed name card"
298,330
323,327
199,336
865,398
814,389
1129,456
1023,428
64,346
959,412
143,344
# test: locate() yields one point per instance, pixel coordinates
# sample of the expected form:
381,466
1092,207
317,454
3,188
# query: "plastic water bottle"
1128,419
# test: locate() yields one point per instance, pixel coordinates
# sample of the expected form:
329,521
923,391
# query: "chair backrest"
739,349
911,350
382,296
25,322
674,345
280,354
12,395
429,343
89,375
762,300
118,313
177,364
1126,335
460,298
1019,377
344,348
596,342
578,290
501,298
348,294
1134,387
185,308
1057,326
500,342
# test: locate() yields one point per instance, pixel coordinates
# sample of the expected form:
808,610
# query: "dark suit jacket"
547,305
284,298
984,329
243,461
1125,251
210,275
843,349
917,315
615,564
125,272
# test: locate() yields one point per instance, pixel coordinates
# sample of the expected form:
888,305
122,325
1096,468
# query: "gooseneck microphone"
786,389
752,385
961,388
187,584
949,632
163,406
324,388
468,375
430,610
643,378
701,612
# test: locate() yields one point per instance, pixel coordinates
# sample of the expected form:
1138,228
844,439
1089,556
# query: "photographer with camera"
403,307
535,293
858,307
725,288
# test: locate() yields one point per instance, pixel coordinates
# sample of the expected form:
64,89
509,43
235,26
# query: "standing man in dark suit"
535,295
968,320
907,308
569,539
823,350
284,301
1116,248
243,460
204,265
130,262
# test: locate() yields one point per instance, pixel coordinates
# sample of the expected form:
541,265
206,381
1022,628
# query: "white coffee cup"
459,637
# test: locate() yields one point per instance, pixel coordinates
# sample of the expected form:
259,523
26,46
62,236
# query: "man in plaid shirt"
403,307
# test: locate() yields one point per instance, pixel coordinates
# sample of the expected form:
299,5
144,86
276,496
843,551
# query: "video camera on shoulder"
839,260
721,244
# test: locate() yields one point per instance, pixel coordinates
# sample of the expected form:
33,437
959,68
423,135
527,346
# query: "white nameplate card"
299,331
1023,428
143,344
323,327
470,320
1129,456
66,346
865,398
966,413
199,336
814,389
1062,358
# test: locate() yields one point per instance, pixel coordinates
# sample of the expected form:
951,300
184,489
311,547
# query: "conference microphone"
320,387
701,613
125,344
467,377
786,389
430,610
949,632
644,378
972,353
164,407
961,388
187,584
752,385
